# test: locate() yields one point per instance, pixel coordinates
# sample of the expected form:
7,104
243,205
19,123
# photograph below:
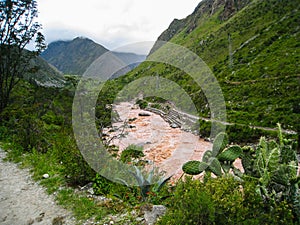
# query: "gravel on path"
24,202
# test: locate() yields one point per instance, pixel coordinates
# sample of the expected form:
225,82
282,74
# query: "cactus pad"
231,153
194,167
220,143
215,166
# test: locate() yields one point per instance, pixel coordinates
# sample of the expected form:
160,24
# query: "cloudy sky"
112,23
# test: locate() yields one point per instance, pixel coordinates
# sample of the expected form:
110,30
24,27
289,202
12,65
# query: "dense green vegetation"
223,201
272,165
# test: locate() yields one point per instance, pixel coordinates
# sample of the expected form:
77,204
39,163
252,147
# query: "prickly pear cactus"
273,160
230,154
215,166
220,143
206,156
194,167
210,160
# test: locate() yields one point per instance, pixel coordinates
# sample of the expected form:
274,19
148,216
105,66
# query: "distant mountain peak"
75,56
81,38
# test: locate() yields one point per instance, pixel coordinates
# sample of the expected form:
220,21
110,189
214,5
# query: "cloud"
112,23
60,34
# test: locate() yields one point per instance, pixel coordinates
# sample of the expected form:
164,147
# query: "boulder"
174,125
144,114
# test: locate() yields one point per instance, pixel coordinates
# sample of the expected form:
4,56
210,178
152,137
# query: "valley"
186,169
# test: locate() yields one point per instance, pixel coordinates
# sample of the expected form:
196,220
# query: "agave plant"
152,181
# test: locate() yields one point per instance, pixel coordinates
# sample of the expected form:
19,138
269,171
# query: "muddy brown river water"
167,148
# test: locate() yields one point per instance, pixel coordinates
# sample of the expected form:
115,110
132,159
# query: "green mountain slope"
253,48
73,57
40,71
45,74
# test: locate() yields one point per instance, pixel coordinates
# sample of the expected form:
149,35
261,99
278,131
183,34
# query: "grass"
83,207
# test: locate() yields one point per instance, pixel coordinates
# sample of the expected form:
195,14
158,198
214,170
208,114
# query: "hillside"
130,59
41,72
75,56
45,74
252,47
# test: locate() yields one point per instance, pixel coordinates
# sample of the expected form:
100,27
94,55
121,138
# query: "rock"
152,216
207,139
58,220
139,219
46,176
88,188
174,125
91,191
144,114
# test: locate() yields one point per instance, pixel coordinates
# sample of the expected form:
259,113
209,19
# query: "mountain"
75,56
36,69
45,74
253,49
130,59
223,9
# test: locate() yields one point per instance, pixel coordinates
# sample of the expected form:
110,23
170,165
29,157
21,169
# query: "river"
165,147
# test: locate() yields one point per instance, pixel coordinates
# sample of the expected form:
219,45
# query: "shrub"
190,204
103,186
222,201
206,131
3,133
131,152
142,103
76,169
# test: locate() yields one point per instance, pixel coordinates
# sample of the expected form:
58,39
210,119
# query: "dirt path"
24,202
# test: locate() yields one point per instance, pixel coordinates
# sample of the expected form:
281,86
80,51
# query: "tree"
17,28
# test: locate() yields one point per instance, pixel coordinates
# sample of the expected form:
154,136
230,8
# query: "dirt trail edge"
24,202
